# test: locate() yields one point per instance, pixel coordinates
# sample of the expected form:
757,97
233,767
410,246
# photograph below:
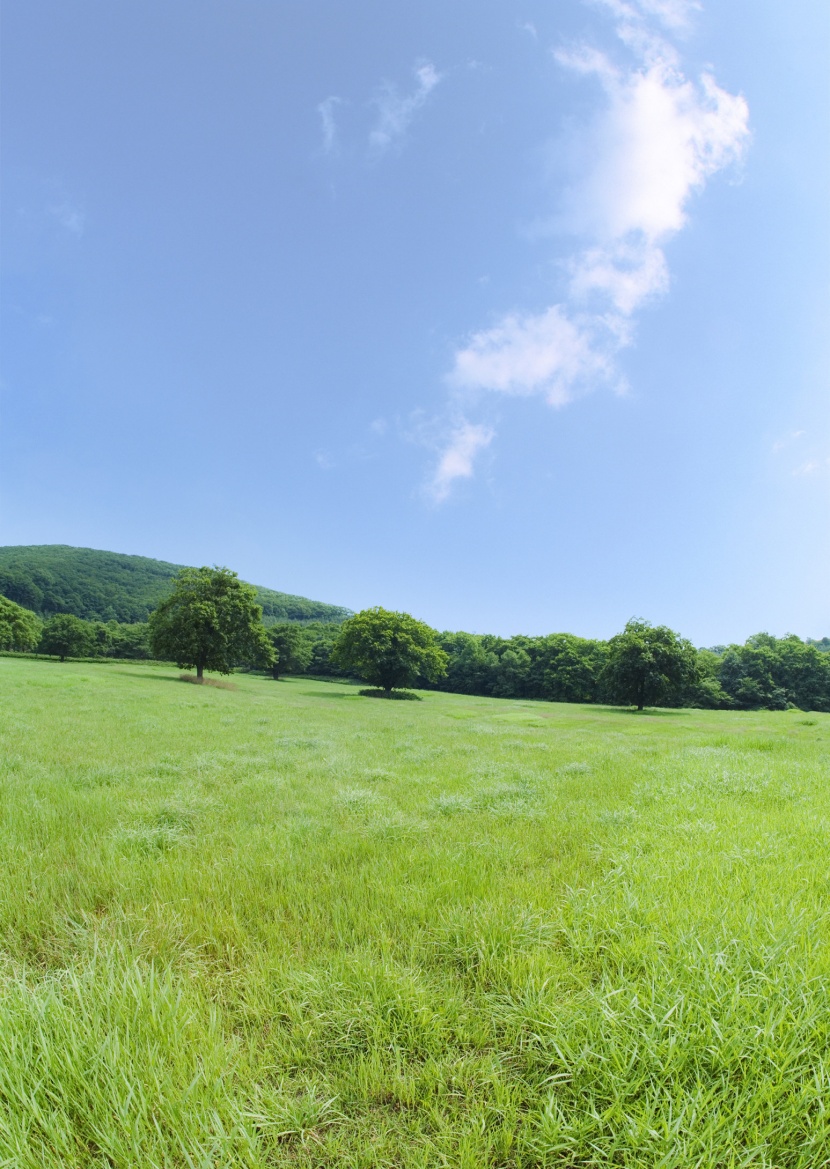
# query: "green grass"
287,925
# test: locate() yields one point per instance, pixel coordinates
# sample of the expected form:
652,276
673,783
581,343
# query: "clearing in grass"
284,925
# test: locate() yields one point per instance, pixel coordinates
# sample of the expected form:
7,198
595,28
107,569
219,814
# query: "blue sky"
511,315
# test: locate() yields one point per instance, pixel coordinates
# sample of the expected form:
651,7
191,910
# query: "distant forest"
116,594
108,586
772,673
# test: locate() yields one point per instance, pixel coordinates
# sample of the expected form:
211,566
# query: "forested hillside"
109,586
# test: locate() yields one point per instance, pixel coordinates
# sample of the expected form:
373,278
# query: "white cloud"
548,353
457,459
656,143
657,139
625,274
395,112
326,111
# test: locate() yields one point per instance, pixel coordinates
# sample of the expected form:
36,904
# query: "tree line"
643,663
211,621
66,636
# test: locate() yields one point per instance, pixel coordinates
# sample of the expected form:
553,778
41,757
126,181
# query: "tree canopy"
211,621
389,650
66,636
20,629
293,649
645,660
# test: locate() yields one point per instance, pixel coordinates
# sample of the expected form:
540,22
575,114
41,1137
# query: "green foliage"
557,668
65,636
389,650
645,662
704,689
471,666
211,621
323,640
128,641
293,649
109,586
68,636
20,629
118,592
767,672
287,926
774,673
570,668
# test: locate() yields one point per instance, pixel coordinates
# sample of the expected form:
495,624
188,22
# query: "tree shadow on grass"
217,683
651,712
400,695
146,676
319,694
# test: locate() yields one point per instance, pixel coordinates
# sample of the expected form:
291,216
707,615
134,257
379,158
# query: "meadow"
284,924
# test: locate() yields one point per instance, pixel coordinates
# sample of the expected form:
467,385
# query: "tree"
705,690
211,621
774,672
471,667
645,661
512,673
293,649
389,650
20,629
569,667
67,636
128,641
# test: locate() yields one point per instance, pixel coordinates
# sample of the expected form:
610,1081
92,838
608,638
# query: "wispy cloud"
813,461
675,15
324,460
457,458
329,125
70,217
657,140
813,467
781,444
396,110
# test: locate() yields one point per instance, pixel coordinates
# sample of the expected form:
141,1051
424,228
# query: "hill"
109,586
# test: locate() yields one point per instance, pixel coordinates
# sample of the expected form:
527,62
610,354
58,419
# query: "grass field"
287,925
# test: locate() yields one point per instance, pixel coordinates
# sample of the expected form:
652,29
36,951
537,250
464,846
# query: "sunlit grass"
287,925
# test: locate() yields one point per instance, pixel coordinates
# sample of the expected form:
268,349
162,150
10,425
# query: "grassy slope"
104,586
287,925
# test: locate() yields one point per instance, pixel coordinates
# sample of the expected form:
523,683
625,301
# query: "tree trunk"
387,692
275,672
200,672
